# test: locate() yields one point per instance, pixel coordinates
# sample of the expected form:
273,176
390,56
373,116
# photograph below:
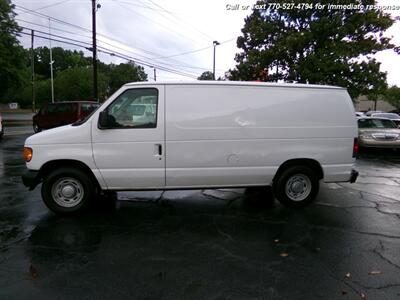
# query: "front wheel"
67,190
297,186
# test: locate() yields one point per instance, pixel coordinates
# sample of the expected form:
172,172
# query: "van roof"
235,83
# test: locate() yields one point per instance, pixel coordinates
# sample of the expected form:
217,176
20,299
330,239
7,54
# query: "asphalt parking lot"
211,244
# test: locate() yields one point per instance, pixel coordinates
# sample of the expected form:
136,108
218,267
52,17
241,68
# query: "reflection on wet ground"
210,244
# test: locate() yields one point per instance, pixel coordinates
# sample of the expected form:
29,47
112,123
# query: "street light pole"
215,44
33,70
94,46
51,67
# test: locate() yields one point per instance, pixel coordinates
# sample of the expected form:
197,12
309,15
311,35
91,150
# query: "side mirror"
103,119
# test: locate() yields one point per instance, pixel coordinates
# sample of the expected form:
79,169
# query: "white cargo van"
199,135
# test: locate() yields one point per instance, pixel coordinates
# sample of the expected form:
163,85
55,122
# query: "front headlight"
28,153
366,136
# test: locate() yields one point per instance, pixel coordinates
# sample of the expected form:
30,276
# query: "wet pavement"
17,116
18,130
213,244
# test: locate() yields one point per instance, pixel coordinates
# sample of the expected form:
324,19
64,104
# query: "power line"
52,27
194,51
117,54
81,28
129,58
73,33
49,5
103,42
56,40
151,58
57,36
168,29
142,6
117,41
181,20
30,11
88,47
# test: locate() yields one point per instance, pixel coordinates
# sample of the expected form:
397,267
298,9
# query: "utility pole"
51,67
33,71
155,74
215,44
94,46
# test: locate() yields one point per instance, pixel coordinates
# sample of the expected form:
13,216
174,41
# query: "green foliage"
120,74
319,46
73,77
12,58
207,75
392,95
63,60
72,71
77,84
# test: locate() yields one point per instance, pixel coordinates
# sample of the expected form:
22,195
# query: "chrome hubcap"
298,187
67,192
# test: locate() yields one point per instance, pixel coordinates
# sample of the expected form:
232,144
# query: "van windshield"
376,123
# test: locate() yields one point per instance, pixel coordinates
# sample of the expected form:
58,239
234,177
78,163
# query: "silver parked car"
378,133
359,114
391,116
370,112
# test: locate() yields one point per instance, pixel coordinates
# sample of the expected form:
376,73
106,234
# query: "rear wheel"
67,190
297,186
36,128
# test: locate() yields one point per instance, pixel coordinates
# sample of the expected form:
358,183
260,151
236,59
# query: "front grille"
385,136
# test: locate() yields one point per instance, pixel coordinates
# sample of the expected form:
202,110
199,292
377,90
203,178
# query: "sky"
174,35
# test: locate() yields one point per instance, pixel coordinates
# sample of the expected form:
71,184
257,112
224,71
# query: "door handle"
158,150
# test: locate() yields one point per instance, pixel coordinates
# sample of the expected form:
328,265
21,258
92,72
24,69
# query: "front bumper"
31,179
353,176
371,143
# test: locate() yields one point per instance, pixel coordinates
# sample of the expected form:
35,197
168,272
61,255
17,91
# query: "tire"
296,186
36,128
68,191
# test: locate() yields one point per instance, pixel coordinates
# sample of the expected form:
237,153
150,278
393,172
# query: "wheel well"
51,165
311,163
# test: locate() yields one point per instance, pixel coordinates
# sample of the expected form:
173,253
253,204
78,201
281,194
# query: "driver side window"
135,108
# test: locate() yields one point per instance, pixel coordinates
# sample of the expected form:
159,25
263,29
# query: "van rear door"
130,152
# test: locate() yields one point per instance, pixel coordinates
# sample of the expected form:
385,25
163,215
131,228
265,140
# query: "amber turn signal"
28,154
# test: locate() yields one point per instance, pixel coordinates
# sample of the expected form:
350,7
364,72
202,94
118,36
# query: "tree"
392,95
63,60
207,75
123,73
12,59
321,46
77,84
